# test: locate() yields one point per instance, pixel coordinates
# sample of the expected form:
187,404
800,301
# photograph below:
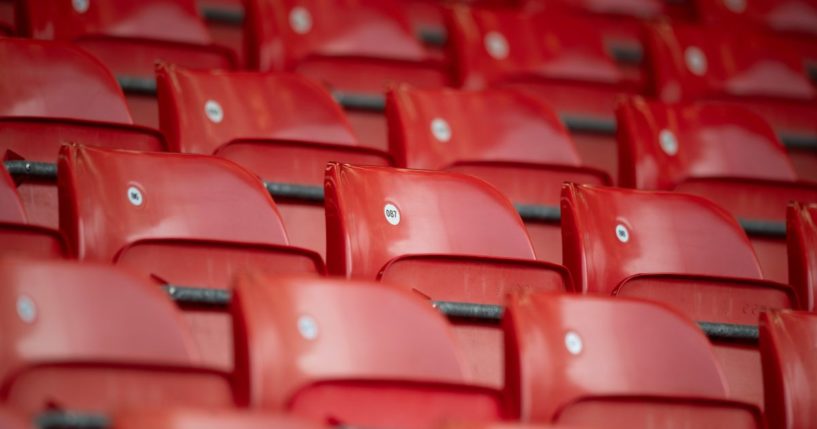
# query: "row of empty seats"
386,214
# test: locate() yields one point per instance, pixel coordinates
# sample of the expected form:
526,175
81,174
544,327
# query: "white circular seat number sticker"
392,214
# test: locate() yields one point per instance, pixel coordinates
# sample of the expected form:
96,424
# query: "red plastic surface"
788,345
801,232
283,127
699,62
351,353
662,145
665,232
64,349
564,349
456,239
57,94
514,142
782,15
208,419
351,46
200,221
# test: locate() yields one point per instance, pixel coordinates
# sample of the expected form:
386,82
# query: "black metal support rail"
463,310
730,332
627,54
198,296
137,85
433,36
297,192
763,228
539,213
66,420
360,101
583,124
223,15
799,141
32,169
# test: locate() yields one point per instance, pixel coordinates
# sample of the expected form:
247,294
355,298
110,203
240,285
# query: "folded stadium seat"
448,237
129,37
187,418
797,16
91,339
352,354
189,222
788,346
283,127
357,48
679,249
560,58
12,419
801,229
225,23
52,94
514,142
593,360
18,236
770,75
722,152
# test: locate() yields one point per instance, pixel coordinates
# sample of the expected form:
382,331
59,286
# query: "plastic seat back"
54,94
783,15
356,353
788,346
802,249
444,236
718,151
91,338
691,62
513,141
584,360
129,38
186,220
282,127
678,249
662,145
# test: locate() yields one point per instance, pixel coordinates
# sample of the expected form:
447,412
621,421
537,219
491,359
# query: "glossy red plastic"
129,37
575,359
719,151
282,127
514,142
359,354
560,59
442,235
798,16
187,220
222,20
20,238
801,230
358,47
788,346
678,249
92,338
185,418
55,93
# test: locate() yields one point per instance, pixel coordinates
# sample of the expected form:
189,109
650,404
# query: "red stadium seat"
183,220
356,354
801,230
559,58
769,75
514,142
129,37
798,16
225,23
12,419
445,236
282,127
788,346
7,17
53,94
722,152
678,249
357,48
582,360
208,419
90,338
20,238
